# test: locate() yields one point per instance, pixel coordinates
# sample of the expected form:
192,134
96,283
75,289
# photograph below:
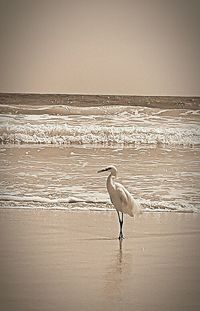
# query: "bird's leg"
121,225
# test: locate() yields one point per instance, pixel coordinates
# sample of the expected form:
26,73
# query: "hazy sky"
100,47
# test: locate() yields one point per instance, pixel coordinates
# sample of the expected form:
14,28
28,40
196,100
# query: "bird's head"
111,169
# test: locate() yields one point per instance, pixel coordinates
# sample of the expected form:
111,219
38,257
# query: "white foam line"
47,200
94,209
147,205
90,134
38,199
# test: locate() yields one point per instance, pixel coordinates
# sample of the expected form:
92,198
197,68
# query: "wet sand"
61,260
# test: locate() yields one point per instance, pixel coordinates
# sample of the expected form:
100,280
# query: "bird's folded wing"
122,194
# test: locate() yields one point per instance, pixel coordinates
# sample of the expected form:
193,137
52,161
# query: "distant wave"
61,110
91,134
76,204
169,102
65,110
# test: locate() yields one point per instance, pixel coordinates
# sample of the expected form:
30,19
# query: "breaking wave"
77,204
106,125
99,134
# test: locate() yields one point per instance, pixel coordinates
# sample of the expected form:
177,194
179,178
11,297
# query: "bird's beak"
103,170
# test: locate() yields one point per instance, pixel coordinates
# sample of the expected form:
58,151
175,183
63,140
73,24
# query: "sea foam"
91,134
73,203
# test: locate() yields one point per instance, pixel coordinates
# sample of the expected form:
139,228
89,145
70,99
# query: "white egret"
120,197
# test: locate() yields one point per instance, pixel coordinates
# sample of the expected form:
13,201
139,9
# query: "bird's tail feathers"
136,208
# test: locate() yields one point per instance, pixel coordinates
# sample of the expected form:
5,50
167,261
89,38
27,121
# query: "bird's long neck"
110,183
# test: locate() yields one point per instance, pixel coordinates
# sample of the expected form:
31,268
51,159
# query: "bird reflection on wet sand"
120,246
117,272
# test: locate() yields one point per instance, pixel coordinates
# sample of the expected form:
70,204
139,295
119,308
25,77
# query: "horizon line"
94,94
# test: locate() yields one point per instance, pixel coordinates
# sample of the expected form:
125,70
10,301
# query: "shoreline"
94,210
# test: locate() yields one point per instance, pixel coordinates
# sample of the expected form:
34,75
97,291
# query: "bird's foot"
121,237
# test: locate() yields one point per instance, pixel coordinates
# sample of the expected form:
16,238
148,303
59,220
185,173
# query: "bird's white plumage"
123,200
120,198
119,195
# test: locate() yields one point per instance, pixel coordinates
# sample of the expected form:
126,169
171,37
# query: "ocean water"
50,155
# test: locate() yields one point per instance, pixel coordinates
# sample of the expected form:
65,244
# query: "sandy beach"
61,260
